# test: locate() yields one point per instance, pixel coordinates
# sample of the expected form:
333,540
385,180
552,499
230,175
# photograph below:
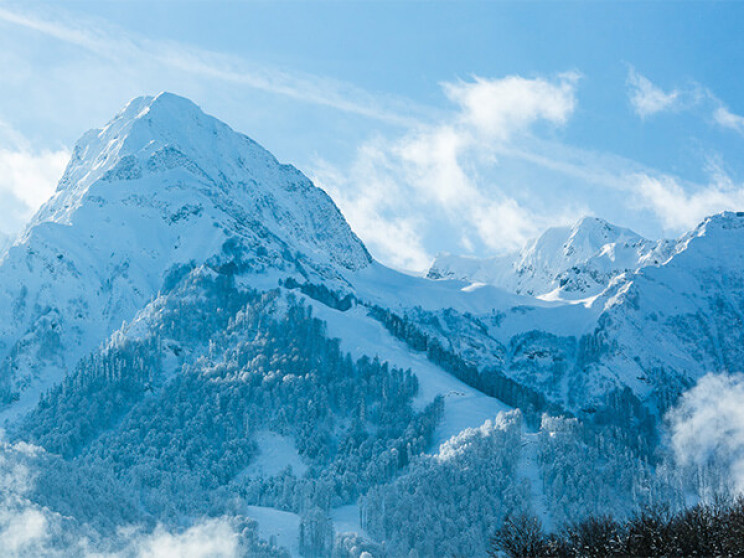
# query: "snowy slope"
163,188
464,407
648,317
674,323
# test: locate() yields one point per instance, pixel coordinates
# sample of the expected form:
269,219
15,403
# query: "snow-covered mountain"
649,318
162,185
568,263
195,327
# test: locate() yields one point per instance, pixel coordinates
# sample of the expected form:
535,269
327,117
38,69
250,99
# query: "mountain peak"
724,220
147,125
596,233
165,152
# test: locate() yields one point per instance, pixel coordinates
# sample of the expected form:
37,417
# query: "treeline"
492,382
444,504
109,382
703,530
321,293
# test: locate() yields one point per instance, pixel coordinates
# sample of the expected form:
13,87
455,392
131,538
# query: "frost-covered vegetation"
702,530
447,503
161,425
179,439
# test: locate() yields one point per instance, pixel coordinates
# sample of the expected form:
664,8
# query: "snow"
564,263
530,470
346,520
162,184
576,314
5,242
276,453
279,526
464,406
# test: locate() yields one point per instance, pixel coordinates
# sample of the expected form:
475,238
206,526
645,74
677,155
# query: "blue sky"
465,127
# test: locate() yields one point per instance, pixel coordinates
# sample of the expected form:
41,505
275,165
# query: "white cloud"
23,532
502,107
427,185
646,98
27,180
707,427
680,210
728,119
211,539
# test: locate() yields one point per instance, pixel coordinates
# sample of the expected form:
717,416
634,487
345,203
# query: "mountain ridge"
568,263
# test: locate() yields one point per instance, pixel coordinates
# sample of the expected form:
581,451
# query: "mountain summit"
166,143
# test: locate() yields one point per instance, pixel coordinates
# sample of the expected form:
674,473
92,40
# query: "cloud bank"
707,428
28,530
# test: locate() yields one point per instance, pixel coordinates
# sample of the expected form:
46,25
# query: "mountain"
161,186
198,348
647,319
568,263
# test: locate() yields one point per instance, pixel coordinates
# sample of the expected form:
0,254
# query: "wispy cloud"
680,208
106,41
646,98
398,191
728,119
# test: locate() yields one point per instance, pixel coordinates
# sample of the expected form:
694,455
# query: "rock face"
160,186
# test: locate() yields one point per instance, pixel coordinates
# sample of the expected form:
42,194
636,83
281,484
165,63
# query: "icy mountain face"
163,187
670,325
168,143
567,263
